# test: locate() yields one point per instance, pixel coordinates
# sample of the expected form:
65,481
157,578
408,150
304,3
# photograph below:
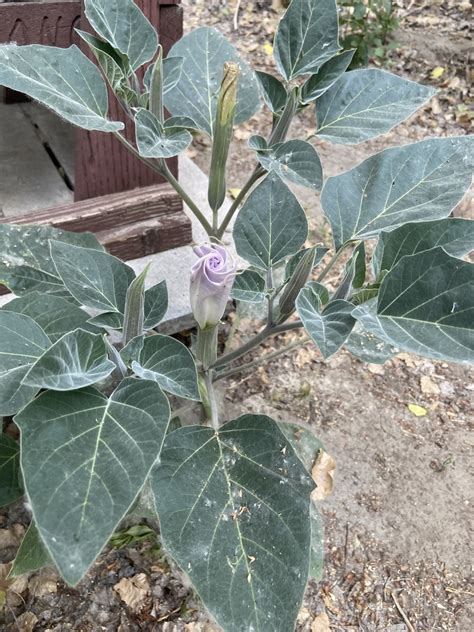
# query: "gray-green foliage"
233,500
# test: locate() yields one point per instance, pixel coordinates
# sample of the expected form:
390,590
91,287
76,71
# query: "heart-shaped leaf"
166,361
234,514
455,235
326,76
88,457
329,327
365,103
25,258
22,342
249,286
271,225
63,79
294,160
95,279
125,27
76,360
204,52
156,141
307,36
418,182
54,315
10,477
426,306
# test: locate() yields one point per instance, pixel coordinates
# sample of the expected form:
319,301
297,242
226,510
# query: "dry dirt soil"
399,523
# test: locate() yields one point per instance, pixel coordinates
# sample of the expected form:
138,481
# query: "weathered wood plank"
28,178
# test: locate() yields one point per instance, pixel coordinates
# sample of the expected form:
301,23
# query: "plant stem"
256,175
331,263
162,168
212,399
262,360
265,333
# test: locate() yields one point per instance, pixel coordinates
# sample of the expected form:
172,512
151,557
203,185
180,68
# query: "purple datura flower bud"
212,278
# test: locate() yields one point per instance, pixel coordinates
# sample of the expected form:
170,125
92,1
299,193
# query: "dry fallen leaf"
428,386
234,193
416,410
44,583
133,591
437,72
26,622
323,475
321,623
268,49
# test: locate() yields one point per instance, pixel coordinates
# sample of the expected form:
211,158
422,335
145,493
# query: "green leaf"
307,36
204,52
455,235
53,314
273,91
328,327
365,103
134,313
156,141
32,554
326,76
25,258
418,182
22,342
10,478
172,69
271,224
168,362
114,66
124,26
108,320
63,79
294,160
95,279
249,286
368,348
88,457
234,514
156,305
426,306
360,268
76,360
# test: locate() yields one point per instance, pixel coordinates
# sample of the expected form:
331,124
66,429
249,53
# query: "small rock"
321,623
428,386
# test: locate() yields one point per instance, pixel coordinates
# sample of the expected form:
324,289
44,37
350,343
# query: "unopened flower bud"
297,281
212,278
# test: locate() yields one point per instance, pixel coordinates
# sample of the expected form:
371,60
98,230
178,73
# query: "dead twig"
236,15
402,613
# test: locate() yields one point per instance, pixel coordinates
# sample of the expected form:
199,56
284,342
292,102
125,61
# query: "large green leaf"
22,342
326,76
156,305
32,555
54,315
368,348
365,103
10,483
329,327
84,459
249,286
166,361
76,360
417,182
62,79
124,26
204,52
307,36
425,305
234,514
271,225
154,140
95,279
294,160
25,258
455,235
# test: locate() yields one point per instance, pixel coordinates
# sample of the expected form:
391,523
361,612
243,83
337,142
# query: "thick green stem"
212,399
256,175
265,333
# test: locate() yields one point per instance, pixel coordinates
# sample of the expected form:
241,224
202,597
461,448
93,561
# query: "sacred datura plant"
233,497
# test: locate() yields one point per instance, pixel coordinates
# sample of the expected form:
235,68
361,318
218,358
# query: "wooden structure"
152,215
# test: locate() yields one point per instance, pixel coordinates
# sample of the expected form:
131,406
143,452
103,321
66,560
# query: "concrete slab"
175,265
28,178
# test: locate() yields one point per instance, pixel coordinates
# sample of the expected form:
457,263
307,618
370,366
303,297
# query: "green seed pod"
222,135
156,88
295,284
134,316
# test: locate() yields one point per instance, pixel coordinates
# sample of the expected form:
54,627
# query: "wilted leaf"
416,410
323,475
134,591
